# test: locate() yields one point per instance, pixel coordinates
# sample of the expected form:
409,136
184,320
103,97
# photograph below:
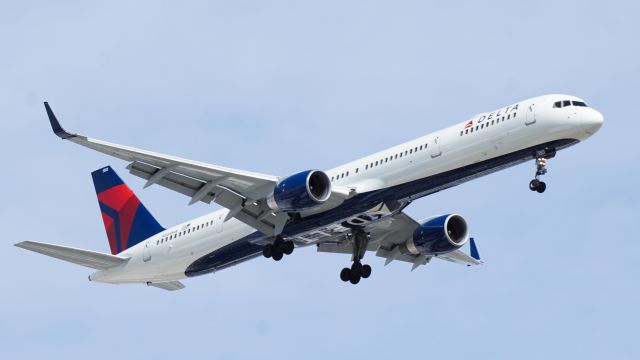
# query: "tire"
534,184
354,278
365,271
345,274
277,255
267,251
541,187
288,247
356,268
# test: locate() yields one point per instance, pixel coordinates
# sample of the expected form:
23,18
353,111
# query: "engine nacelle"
439,235
301,191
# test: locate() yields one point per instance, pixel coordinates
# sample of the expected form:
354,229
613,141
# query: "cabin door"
435,147
531,114
146,252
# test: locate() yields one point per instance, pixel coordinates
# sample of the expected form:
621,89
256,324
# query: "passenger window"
508,117
347,173
514,114
471,129
466,131
482,126
420,147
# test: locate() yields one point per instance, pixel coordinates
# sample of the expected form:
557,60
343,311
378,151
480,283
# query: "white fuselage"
167,255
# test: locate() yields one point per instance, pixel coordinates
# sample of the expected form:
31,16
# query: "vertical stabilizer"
126,220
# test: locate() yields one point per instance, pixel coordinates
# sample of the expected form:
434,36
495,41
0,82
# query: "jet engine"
439,235
301,191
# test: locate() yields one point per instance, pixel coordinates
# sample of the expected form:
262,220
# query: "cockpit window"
564,103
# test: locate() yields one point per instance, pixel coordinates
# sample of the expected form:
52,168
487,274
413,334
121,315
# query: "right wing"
242,192
90,259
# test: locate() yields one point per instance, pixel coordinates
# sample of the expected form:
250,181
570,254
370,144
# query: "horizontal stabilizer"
90,259
168,285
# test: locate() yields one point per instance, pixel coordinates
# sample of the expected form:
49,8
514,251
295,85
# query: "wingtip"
55,124
474,249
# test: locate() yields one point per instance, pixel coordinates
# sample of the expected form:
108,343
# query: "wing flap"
173,181
90,259
460,257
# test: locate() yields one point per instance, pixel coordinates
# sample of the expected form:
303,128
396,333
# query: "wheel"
267,251
278,242
288,247
533,185
356,267
354,277
541,187
277,255
345,274
365,271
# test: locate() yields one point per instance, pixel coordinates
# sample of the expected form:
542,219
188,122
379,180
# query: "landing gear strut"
541,168
278,249
357,271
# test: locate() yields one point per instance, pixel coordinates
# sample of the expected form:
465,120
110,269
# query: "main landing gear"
541,168
278,249
357,271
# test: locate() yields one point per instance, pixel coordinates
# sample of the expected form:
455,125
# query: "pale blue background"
277,87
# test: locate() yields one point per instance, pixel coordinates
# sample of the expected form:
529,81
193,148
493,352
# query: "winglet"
55,124
474,249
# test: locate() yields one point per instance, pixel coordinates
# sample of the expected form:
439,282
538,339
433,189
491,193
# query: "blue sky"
278,87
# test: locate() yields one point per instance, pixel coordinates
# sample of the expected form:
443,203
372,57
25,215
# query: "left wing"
386,236
242,192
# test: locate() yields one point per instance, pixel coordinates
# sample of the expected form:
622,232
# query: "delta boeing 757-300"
351,209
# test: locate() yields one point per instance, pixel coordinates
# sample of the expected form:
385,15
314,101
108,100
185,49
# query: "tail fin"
126,220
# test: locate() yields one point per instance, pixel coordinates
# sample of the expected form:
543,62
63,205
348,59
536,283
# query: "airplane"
352,209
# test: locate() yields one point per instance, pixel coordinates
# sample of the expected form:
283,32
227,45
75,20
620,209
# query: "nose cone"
593,121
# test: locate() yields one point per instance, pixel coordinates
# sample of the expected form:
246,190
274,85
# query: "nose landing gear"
278,249
357,271
541,168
